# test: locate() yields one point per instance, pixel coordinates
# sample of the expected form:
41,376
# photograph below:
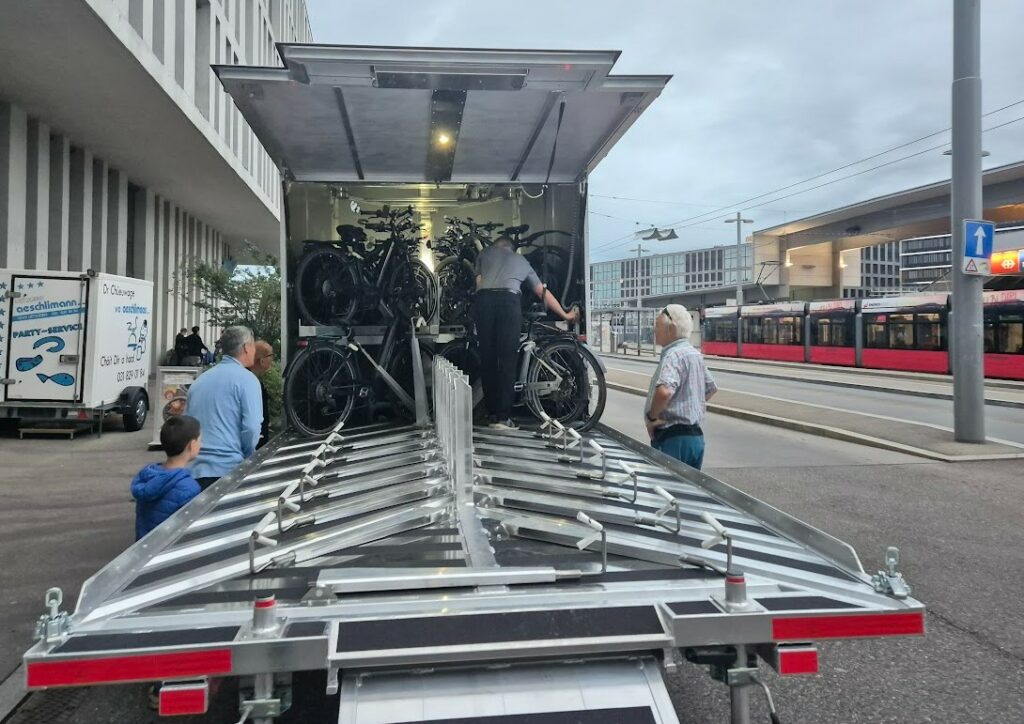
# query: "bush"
274,382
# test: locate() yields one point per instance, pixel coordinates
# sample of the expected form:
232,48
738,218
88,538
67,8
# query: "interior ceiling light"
443,139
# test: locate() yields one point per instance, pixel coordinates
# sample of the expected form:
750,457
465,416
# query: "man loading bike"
501,274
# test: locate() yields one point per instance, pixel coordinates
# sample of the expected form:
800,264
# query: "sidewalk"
928,441
1005,393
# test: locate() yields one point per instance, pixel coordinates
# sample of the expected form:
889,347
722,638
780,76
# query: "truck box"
74,345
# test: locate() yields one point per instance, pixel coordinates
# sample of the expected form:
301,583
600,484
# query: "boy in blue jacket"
160,490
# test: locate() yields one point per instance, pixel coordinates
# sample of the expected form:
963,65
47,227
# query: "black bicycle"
359,279
335,378
557,374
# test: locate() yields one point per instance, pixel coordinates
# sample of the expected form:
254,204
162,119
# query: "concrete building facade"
119,150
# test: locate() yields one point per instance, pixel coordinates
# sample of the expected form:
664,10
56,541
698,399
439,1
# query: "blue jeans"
686,448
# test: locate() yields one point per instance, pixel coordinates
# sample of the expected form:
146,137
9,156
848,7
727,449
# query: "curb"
709,361
834,433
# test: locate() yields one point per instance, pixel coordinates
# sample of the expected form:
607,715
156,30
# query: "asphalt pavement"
65,512
1004,423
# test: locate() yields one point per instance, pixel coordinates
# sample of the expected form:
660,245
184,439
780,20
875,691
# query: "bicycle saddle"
351,234
515,230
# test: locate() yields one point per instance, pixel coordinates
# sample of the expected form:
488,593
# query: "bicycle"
559,377
329,378
338,283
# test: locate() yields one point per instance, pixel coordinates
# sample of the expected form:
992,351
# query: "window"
832,331
874,331
1004,333
721,330
901,331
752,330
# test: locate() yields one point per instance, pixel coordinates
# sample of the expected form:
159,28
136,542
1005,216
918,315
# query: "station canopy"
351,113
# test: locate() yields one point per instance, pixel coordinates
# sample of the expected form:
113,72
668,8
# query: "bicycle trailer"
439,572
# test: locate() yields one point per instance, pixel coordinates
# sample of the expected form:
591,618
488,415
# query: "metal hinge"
7,381
11,294
890,581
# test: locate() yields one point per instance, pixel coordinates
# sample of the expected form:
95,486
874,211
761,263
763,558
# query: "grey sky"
765,93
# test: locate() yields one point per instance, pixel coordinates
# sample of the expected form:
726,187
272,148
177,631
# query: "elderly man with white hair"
229,406
680,388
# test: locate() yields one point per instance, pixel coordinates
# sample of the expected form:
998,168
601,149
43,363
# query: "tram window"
722,330
990,334
770,330
1010,334
752,330
789,330
874,332
831,332
929,332
901,331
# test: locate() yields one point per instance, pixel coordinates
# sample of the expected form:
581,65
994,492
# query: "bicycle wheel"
414,290
326,287
321,389
552,266
579,398
456,279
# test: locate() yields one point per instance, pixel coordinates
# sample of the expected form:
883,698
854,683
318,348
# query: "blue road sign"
978,240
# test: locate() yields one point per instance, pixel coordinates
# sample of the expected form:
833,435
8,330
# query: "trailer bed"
438,546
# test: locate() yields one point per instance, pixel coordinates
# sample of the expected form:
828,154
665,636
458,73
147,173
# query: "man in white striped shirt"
679,390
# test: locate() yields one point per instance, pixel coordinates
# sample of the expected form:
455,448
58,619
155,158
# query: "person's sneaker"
154,697
504,425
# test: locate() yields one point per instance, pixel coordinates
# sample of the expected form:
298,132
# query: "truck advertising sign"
47,328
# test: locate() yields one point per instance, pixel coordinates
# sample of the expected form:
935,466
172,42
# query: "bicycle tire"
327,287
568,404
456,280
552,266
315,406
415,289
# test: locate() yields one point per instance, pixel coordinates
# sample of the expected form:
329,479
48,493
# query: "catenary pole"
967,327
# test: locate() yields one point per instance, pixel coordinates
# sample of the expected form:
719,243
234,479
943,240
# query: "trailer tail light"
797,660
150,667
813,628
187,697
83,415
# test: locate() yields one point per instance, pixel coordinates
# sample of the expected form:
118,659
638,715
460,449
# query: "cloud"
764,94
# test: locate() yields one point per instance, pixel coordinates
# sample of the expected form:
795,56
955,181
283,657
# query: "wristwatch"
652,419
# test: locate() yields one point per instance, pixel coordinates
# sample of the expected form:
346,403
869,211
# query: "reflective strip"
811,628
77,672
798,661
178,700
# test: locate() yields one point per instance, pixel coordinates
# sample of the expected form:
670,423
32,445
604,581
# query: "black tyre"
326,287
321,389
135,412
552,266
579,398
456,279
414,288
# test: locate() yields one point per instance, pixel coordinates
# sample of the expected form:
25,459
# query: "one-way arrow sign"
978,239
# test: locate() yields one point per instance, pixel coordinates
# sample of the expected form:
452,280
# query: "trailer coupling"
53,626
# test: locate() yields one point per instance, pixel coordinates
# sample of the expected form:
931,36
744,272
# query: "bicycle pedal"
519,387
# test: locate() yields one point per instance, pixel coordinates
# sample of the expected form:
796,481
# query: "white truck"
74,346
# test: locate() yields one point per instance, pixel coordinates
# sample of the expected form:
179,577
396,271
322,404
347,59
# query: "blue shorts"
685,448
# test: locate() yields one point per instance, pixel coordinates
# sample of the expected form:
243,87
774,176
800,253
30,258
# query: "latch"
53,625
11,294
890,581
7,381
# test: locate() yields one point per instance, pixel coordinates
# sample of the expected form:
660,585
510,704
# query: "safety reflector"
152,667
190,697
812,628
802,660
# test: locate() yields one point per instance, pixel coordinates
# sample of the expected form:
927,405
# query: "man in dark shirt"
497,313
181,346
196,348
262,363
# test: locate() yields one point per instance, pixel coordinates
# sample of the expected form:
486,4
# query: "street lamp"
739,221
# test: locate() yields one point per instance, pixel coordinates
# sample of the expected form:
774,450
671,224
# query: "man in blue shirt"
229,406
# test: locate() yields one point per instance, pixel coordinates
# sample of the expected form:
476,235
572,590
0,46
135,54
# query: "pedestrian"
196,347
261,365
497,313
160,490
679,390
181,346
227,402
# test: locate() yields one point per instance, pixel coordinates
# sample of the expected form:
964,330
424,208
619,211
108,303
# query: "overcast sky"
765,94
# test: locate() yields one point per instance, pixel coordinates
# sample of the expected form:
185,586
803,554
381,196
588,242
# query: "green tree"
250,295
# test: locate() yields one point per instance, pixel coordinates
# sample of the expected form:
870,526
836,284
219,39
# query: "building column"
80,213
37,214
117,222
187,18
60,203
98,260
13,173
